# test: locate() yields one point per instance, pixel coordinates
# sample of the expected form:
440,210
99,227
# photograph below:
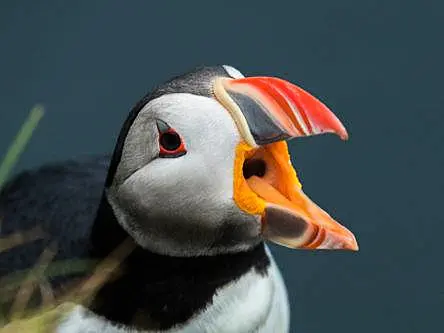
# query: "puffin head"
201,167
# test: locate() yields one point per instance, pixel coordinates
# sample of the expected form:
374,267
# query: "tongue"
271,195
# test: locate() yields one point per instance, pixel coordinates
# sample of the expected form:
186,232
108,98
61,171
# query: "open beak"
269,111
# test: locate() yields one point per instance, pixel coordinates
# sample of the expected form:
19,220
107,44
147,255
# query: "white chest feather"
254,303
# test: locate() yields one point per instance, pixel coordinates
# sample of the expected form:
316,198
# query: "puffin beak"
269,111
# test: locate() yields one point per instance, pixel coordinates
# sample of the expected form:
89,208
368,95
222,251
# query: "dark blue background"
377,64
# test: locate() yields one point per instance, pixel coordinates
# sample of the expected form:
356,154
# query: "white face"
184,205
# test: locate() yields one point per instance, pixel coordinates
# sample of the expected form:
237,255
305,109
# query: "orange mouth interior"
265,175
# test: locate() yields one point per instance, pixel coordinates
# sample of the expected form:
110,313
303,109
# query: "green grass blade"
20,141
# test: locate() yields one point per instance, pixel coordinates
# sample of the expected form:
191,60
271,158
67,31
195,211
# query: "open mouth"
268,111
266,184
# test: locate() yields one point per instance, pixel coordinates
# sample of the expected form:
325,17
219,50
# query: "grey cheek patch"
141,147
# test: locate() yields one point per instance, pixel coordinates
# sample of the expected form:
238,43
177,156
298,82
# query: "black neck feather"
154,291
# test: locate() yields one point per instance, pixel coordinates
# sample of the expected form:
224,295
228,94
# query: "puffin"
199,181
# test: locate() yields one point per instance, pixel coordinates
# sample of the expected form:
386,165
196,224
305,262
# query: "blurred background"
378,65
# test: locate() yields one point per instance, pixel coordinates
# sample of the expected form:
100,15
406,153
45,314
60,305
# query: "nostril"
254,167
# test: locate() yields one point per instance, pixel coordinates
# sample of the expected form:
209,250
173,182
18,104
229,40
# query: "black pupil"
254,168
170,141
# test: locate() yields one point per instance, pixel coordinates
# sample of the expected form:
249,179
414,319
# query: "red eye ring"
170,142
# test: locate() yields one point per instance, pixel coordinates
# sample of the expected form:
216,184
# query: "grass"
20,142
18,287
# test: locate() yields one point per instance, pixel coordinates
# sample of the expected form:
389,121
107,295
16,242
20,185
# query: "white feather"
233,72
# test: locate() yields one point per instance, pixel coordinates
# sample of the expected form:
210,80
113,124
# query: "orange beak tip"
342,239
352,246
349,243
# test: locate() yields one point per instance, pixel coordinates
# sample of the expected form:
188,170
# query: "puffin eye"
170,142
